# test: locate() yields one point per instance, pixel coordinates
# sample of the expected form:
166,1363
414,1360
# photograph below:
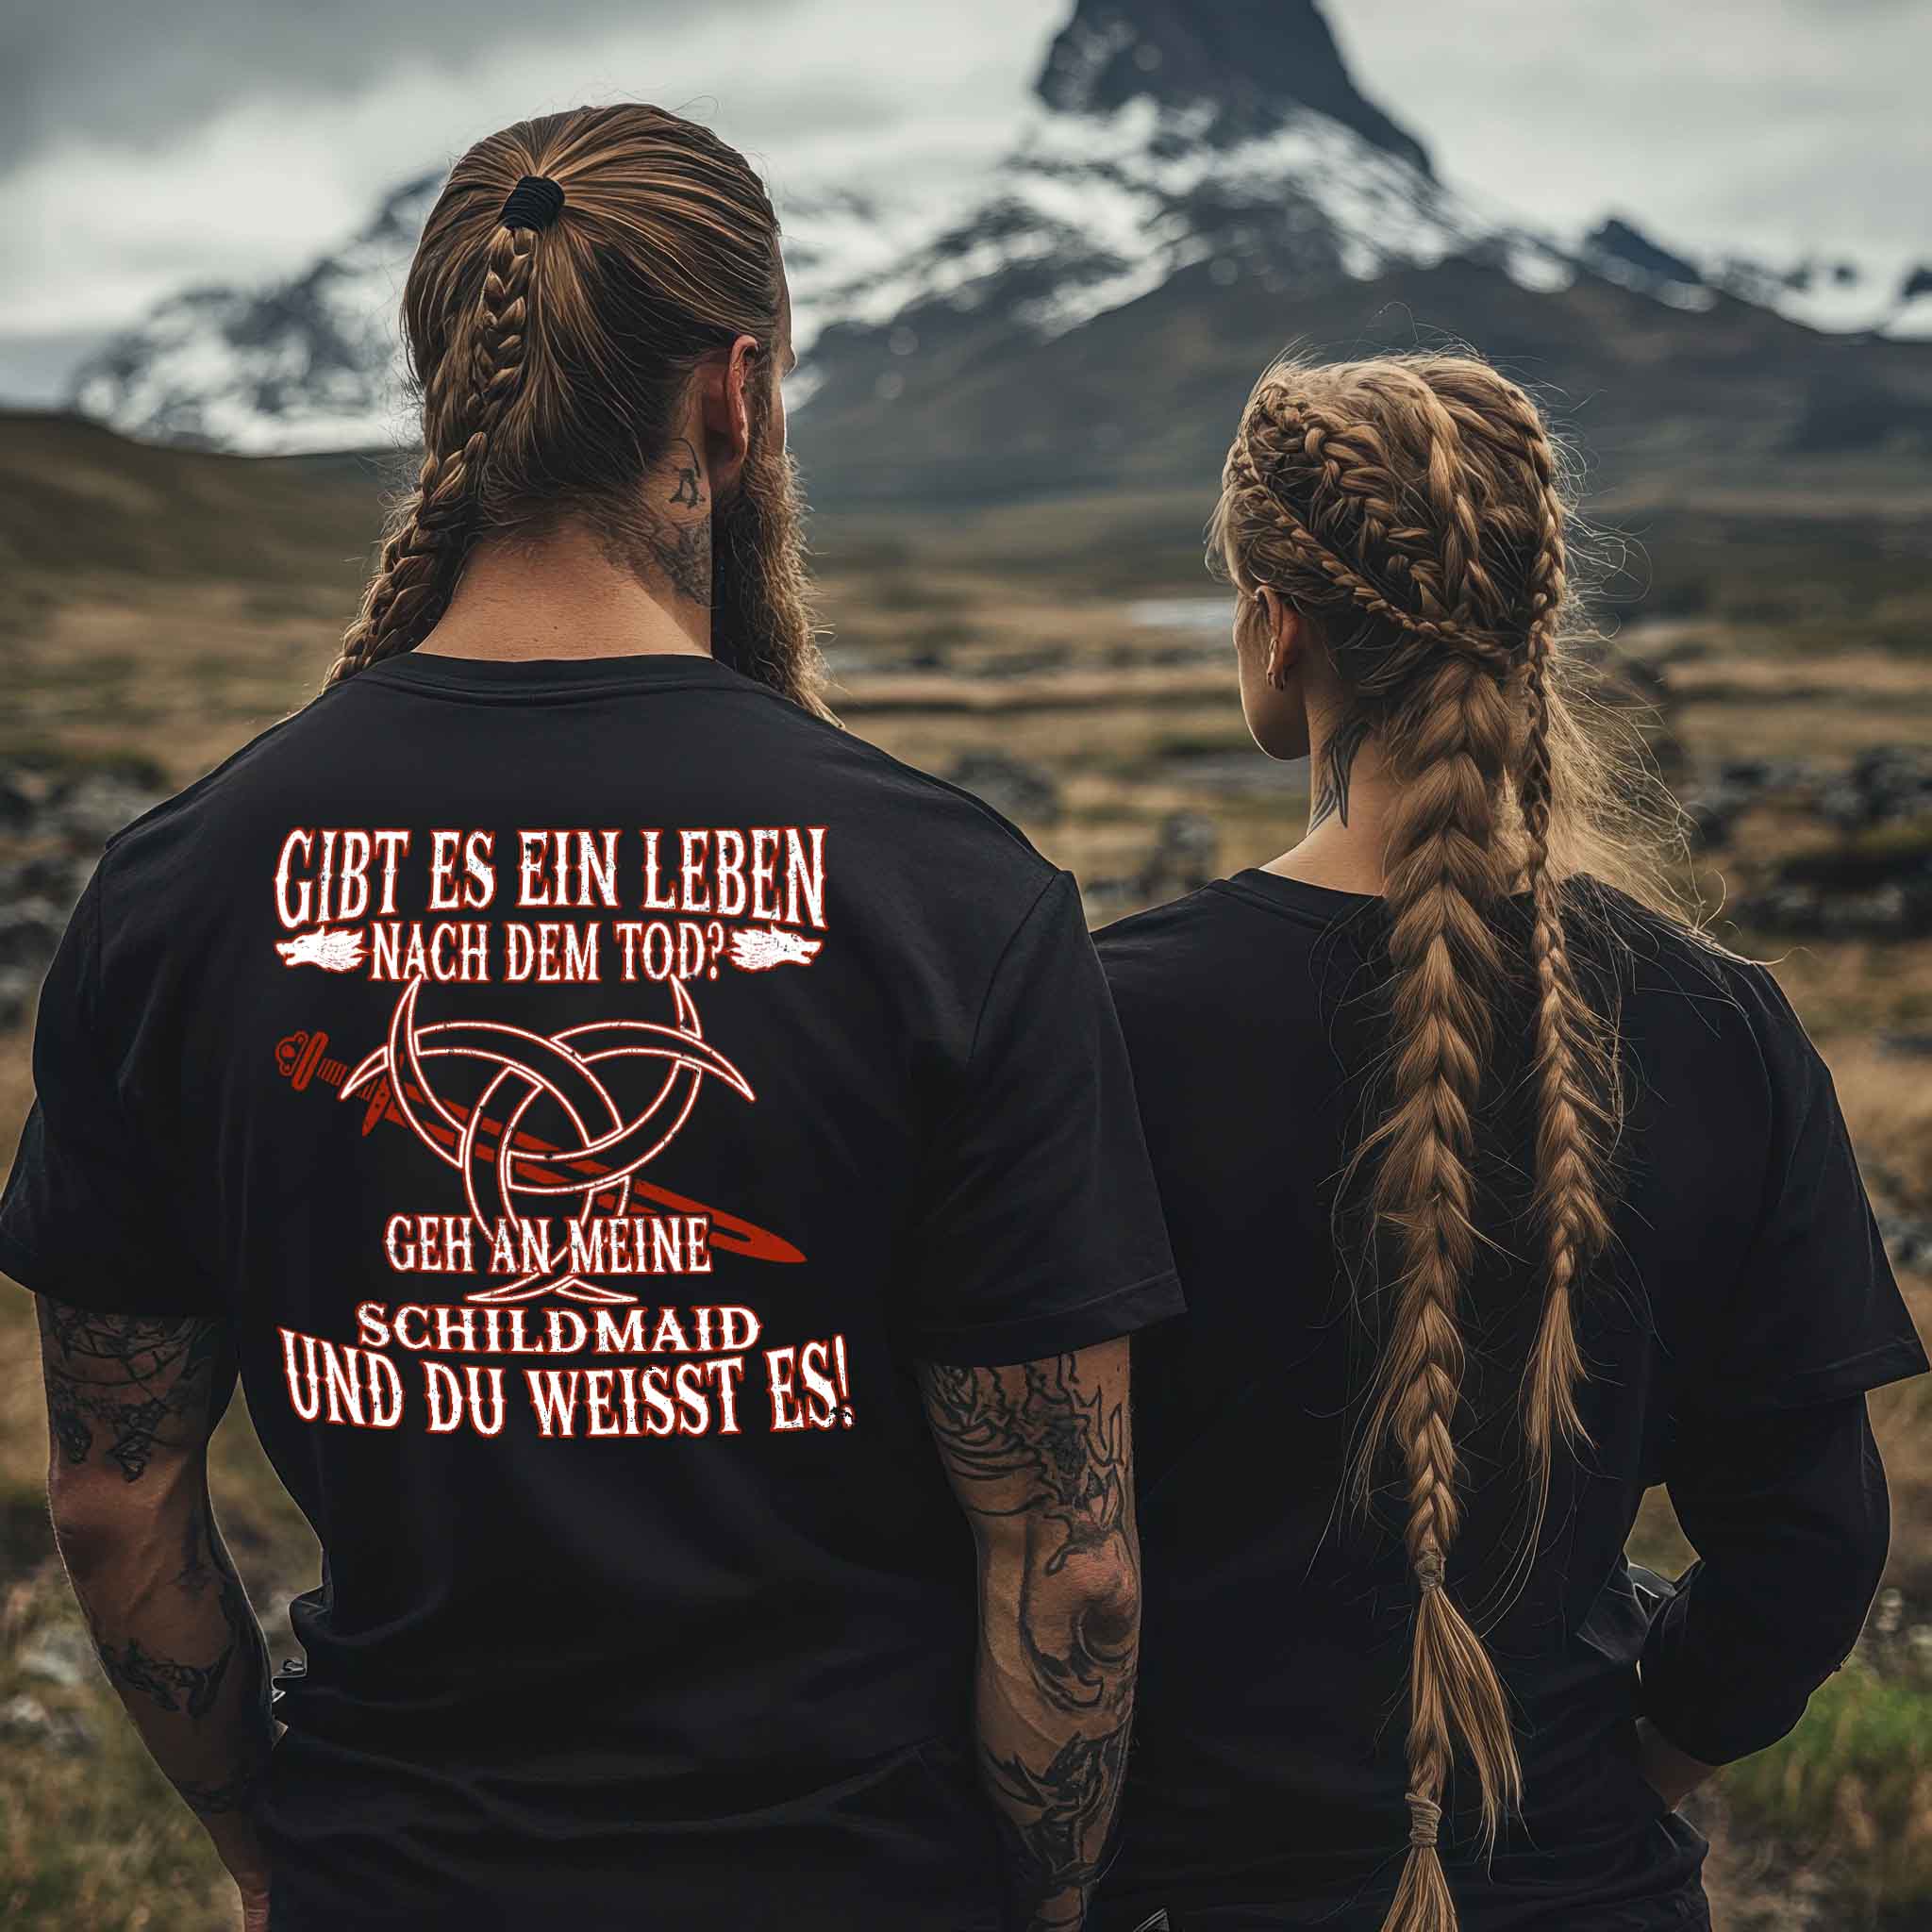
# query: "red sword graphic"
303,1058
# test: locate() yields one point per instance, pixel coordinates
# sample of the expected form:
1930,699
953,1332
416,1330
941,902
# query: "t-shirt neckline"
1321,905
514,680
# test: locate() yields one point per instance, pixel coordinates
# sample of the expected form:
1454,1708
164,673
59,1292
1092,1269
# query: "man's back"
586,1086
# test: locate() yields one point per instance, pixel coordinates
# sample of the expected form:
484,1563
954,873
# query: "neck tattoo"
1338,764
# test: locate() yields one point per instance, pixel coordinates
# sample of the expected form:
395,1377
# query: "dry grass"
127,636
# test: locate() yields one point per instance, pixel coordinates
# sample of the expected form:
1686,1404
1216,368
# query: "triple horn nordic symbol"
610,1146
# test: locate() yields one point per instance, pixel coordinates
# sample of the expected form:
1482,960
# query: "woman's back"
1742,1308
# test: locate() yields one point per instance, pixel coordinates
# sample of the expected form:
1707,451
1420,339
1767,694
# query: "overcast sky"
150,144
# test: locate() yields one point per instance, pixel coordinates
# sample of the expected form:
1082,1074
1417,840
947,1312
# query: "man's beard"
763,620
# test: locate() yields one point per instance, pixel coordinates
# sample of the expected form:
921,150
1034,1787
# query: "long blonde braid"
1413,509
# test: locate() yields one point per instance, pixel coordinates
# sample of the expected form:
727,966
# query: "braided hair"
553,351
1414,510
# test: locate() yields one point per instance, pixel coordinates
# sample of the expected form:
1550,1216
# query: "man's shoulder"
931,837
892,784
221,796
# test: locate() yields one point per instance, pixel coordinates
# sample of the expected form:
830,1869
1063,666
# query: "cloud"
134,73
1724,124
156,142
246,179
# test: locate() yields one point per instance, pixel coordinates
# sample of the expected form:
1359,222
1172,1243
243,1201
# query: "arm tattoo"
1337,765
171,1623
1051,1821
147,1380
237,1793
190,1690
1045,1448
1054,1452
197,1572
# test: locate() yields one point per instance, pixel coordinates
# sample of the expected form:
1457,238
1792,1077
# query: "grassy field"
167,606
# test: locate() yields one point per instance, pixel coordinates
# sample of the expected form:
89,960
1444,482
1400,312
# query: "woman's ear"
724,410
1282,636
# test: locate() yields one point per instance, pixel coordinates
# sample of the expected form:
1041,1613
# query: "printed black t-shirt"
586,1086
1729,1342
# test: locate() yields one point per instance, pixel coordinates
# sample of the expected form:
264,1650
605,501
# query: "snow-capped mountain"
1168,140
306,364
1839,295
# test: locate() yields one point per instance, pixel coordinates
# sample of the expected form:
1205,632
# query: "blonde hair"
552,362
1416,510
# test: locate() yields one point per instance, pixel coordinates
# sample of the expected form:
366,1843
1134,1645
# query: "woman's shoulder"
1700,1007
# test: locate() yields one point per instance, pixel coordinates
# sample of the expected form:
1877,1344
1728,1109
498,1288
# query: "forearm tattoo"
171,1683
1338,766
1054,1822
127,1384
1040,1442
135,1393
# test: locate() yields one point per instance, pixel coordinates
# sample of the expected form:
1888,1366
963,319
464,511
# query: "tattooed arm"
131,1402
1040,1458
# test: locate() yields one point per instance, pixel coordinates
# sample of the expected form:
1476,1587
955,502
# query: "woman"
1498,1196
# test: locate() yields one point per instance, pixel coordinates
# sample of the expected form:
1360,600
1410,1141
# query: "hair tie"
535,202
1425,1820
1428,1570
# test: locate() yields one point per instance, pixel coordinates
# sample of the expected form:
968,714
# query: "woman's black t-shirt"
1729,1339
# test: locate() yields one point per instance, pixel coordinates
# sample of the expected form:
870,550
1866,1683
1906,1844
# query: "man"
588,1098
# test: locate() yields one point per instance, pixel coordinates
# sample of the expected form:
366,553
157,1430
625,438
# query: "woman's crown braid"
1411,511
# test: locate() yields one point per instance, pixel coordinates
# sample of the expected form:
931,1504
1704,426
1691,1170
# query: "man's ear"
725,400
1284,632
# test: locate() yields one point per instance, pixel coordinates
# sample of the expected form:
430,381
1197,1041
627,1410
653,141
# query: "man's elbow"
102,1522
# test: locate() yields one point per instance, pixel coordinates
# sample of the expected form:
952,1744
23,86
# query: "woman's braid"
1412,509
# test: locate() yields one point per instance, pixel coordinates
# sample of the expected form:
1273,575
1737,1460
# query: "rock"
1897,912
17,989
96,805
16,806
1884,786
1907,1242
59,1654
1185,856
1876,884
1012,785
1713,804
27,1718
31,930
58,877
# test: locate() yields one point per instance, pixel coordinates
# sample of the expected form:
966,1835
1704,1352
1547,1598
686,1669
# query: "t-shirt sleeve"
83,1218
1039,1229
1815,1314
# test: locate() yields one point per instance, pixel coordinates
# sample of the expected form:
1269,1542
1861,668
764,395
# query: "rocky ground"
1071,667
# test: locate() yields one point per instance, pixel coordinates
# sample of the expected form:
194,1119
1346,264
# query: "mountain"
1246,60
1191,184
1838,296
305,364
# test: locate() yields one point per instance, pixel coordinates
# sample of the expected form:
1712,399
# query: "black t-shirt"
586,1086
1748,1302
